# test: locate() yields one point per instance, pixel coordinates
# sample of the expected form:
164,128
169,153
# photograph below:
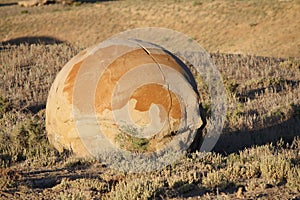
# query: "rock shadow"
276,87
8,4
93,1
42,40
239,140
49,178
184,190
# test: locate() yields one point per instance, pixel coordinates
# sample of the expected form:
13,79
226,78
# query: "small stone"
31,3
239,193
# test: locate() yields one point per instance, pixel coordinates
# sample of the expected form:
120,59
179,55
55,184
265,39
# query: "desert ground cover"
264,28
255,45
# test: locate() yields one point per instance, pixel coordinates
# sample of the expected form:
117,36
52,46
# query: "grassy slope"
263,99
265,28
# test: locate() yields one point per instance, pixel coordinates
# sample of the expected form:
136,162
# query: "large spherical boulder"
128,94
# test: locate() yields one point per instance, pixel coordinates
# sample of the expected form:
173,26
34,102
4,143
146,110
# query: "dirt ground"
264,28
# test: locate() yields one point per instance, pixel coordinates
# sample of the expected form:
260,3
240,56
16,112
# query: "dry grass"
262,92
263,95
265,28
28,70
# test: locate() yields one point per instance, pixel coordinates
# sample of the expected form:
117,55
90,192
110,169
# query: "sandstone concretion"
31,3
130,94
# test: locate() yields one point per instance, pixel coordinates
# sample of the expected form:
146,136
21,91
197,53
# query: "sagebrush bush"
274,169
215,179
293,179
138,188
27,141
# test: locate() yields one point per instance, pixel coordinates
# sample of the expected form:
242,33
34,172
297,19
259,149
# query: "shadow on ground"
8,4
42,179
234,142
54,1
92,1
284,84
30,40
239,140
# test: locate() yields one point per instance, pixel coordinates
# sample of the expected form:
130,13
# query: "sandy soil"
265,28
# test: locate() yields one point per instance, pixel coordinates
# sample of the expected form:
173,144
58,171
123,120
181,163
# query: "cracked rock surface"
126,94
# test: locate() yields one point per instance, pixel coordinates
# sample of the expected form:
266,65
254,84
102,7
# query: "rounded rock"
122,94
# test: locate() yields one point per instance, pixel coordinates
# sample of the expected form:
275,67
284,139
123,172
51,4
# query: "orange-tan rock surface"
121,89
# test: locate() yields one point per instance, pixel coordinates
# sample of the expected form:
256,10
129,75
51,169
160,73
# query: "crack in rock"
164,78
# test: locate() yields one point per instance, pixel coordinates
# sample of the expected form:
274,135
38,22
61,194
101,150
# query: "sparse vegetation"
23,138
256,156
24,144
129,140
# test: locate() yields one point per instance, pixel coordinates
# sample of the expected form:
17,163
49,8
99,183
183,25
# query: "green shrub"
127,140
27,141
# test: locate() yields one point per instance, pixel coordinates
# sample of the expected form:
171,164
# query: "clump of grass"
5,106
274,169
78,163
291,63
242,170
65,194
27,140
24,11
87,187
77,3
293,179
231,86
8,178
127,140
131,143
215,179
138,188
197,3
